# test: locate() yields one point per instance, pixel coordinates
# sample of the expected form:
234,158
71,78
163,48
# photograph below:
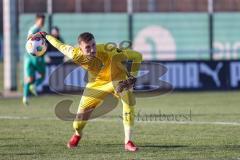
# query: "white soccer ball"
36,47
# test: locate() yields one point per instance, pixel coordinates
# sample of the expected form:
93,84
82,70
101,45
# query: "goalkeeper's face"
88,48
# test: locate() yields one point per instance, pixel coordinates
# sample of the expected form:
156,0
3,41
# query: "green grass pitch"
209,130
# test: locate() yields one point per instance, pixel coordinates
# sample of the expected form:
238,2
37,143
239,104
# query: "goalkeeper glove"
38,35
126,84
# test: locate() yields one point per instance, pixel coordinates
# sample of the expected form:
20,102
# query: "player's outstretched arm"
66,49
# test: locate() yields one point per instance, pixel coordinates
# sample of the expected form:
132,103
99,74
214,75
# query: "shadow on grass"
161,146
147,145
7,138
23,153
221,147
108,144
232,147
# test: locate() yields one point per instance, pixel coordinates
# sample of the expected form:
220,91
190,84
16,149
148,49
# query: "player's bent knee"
84,113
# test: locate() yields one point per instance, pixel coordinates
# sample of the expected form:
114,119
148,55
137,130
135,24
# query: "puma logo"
212,72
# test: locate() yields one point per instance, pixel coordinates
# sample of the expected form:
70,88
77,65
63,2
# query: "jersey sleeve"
136,59
66,49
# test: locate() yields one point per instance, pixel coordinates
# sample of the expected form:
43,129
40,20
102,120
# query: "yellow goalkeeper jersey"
107,65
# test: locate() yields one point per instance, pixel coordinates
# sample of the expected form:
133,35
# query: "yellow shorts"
95,94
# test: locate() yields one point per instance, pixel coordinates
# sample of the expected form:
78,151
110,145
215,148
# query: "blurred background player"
53,55
33,65
107,75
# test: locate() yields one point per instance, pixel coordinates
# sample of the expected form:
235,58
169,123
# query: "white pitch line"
193,122
137,121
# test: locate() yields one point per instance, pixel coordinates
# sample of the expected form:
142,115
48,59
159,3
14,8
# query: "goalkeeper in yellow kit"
107,75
